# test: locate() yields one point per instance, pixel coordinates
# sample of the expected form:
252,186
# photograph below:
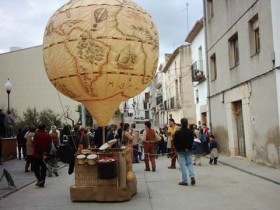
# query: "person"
91,136
84,139
70,143
2,124
110,135
98,137
52,160
196,131
119,133
55,136
197,150
41,148
204,138
161,143
141,146
213,150
127,138
1,150
9,124
172,128
183,141
149,139
21,143
135,143
29,150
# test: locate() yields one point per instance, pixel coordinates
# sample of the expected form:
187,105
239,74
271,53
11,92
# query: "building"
243,53
31,86
137,109
178,97
196,38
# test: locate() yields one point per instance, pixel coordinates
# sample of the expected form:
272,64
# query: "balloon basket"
92,184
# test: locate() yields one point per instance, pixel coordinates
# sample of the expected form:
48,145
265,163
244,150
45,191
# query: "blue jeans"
185,161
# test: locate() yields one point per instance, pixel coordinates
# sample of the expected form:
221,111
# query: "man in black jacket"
183,141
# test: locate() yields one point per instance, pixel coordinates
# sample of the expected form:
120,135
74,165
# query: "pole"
8,92
103,134
83,115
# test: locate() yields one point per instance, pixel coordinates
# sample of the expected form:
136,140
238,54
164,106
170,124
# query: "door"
203,118
240,129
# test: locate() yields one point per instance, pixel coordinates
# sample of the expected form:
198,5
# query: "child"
197,150
213,150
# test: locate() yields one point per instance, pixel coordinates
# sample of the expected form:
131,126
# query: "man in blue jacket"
183,141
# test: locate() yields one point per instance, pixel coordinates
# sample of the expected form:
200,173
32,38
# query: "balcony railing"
197,71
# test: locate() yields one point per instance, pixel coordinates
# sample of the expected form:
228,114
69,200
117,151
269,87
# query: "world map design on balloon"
100,52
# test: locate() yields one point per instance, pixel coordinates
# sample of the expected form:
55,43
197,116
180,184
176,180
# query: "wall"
201,106
31,86
249,66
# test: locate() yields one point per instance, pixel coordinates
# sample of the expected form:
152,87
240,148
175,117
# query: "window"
254,35
147,96
147,115
145,105
233,51
213,67
210,9
200,66
172,103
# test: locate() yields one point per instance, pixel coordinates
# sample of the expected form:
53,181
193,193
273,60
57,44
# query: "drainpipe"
207,67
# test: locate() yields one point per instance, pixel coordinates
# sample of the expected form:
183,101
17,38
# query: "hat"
53,127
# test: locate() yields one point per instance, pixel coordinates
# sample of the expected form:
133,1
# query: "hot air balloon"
100,52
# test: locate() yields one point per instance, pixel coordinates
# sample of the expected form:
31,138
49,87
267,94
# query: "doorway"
240,128
203,118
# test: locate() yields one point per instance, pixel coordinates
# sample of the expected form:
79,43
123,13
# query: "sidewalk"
22,179
243,164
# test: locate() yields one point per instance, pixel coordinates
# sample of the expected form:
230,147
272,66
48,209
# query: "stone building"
178,97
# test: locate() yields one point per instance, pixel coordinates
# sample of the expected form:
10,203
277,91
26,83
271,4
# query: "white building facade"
138,109
243,60
196,38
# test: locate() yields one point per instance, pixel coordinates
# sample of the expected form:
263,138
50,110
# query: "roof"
173,56
195,30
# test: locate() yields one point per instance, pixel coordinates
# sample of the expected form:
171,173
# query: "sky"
23,21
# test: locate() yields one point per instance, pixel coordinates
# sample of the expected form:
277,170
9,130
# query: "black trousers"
21,148
215,160
29,161
40,169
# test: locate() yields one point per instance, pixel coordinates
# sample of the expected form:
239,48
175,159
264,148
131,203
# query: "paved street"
234,184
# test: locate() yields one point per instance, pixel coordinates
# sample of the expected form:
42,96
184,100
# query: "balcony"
197,71
159,99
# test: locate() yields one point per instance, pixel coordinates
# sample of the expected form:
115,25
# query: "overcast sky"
23,21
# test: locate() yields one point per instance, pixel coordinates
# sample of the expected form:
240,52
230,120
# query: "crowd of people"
7,122
182,143
6,128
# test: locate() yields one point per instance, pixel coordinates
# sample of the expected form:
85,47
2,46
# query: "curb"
23,186
248,172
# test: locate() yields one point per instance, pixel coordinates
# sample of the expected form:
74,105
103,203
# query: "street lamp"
8,87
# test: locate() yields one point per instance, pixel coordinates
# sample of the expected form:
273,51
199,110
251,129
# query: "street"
218,187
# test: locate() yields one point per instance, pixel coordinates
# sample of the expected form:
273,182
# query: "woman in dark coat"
197,150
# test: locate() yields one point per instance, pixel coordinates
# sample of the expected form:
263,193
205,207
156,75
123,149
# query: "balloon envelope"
100,52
